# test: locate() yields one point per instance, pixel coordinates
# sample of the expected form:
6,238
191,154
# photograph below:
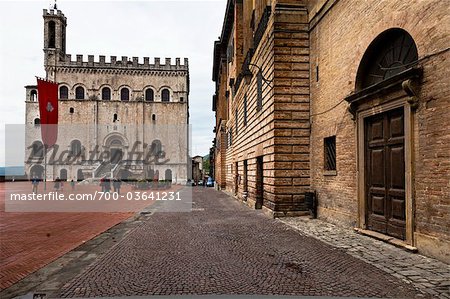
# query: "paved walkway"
429,275
223,247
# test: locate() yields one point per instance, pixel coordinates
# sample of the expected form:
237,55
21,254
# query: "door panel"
385,173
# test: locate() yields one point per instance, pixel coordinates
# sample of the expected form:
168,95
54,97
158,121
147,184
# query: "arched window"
165,95
106,93
63,92
149,95
124,94
51,34
37,149
75,148
153,117
37,122
156,147
71,110
391,53
79,93
33,96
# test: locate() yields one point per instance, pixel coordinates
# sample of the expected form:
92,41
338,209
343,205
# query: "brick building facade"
114,105
347,99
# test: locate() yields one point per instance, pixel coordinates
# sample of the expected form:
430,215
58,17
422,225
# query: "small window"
63,92
115,118
37,149
37,122
106,93
124,94
153,117
165,95
317,73
330,153
149,95
79,93
71,110
33,96
51,34
259,98
181,99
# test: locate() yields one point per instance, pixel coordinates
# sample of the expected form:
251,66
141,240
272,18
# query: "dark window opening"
317,73
181,99
115,117
149,95
245,110
259,91
153,117
51,34
71,110
37,149
330,153
106,93
79,93
124,94
165,95
63,92
37,122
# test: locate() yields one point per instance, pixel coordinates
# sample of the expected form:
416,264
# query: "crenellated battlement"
125,63
52,12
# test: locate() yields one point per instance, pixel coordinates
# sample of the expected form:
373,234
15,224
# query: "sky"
119,28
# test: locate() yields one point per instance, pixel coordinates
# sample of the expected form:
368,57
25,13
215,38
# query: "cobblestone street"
223,247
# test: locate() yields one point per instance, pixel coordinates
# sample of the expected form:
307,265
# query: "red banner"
48,109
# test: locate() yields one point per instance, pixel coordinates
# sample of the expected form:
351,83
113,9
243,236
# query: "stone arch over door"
116,144
382,104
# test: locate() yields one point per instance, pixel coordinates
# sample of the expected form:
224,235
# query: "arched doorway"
63,174
384,132
168,175
37,171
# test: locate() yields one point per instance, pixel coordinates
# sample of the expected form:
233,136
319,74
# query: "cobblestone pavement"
429,275
223,247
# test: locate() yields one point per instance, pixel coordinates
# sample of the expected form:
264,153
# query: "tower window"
51,34
71,110
330,153
106,93
33,96
115,117
153,117
124,94
165,95
63,92
37,122
79,93
149,95
75,148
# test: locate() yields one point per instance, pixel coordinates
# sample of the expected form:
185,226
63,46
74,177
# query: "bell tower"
54,38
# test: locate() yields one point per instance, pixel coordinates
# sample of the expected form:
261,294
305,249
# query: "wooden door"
385,173
259,183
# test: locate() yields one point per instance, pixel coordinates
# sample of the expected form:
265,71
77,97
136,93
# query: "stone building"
119,106
348,99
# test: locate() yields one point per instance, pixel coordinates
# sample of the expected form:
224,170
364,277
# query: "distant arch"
33,95
165,95
106,93
390,53
63,174
37,171
79,93
124,94
168,175
80,175
63,92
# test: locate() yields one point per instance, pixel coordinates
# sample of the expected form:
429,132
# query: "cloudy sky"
120,28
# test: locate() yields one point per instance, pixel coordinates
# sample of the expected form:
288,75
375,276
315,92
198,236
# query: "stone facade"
313,105
116,104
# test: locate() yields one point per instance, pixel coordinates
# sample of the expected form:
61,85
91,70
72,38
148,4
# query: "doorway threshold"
388,239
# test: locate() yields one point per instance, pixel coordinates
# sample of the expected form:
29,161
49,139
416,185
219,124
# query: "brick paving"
427,274
29,241
223,247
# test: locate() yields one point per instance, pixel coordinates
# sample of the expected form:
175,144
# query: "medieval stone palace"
109,112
